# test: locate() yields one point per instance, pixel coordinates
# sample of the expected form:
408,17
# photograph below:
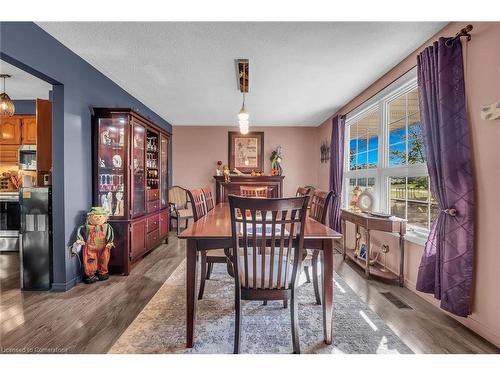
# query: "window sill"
414,237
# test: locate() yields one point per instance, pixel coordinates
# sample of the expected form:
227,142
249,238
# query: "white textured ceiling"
300,72
22,85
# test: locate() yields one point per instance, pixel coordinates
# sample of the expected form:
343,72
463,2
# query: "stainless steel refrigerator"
36,238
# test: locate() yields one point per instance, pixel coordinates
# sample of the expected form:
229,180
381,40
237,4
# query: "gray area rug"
160,327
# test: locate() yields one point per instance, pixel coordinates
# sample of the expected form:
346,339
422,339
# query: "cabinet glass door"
164,171
111,178
138,170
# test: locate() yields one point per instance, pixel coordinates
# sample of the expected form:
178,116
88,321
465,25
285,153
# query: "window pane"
352,160
416,150
362,182
418,188
353,137
397,154
373,142
413,105
397,132
362,159
397,109
371,182
398,196
417,214
372,159
363,136
362,143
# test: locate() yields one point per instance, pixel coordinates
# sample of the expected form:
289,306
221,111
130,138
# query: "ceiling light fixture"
243,77
7,108
243,118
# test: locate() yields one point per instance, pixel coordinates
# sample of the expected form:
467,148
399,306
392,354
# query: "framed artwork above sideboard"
246,152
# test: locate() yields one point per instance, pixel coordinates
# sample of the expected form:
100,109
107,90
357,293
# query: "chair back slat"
320,200
198,204
254,191
209,200
267,240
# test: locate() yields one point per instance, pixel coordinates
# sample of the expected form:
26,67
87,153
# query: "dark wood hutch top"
101,111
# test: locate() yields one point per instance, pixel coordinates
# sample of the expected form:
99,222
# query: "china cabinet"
130,164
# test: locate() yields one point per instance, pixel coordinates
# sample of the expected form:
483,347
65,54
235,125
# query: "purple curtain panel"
447,262
336,171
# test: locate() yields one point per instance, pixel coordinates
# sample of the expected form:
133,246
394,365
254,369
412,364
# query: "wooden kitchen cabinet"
127,181
28,130
10,130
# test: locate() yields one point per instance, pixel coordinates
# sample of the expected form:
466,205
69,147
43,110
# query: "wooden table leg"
367,270
401,260
344,239
327,281
191,271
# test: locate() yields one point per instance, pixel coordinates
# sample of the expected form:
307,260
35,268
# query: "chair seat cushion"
183,213
286,271
216,253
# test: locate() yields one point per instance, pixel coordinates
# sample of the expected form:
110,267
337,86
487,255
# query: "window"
384,144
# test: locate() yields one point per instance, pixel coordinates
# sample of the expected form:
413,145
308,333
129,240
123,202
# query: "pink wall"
482,64
196,150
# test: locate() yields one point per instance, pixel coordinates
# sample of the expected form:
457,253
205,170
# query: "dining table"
213,231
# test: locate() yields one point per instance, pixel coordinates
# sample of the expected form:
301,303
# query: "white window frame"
383,172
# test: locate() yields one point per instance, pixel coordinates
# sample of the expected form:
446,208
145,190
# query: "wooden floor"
90,318
85,319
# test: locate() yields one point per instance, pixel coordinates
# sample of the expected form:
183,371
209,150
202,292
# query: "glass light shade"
243,115
7,108
243,123
244,129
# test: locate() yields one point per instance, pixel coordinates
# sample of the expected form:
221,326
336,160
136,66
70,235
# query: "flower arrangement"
218,171
276,158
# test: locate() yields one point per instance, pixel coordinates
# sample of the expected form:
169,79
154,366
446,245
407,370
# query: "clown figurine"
96,237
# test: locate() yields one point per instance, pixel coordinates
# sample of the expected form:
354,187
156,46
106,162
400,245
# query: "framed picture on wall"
246,152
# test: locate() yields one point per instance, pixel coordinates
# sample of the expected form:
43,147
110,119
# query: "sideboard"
274,185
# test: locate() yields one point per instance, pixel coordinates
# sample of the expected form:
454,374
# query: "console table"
369,223
274,185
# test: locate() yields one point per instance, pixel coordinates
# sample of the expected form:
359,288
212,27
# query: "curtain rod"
463,32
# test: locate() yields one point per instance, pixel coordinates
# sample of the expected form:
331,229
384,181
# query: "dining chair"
318,208
253,191
179,206
209,257
207,192
303,191
276,228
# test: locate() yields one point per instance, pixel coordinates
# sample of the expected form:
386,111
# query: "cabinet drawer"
9,153
153,223
152,239
153,206
153,195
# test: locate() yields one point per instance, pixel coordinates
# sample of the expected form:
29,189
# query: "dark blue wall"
25,107
77,86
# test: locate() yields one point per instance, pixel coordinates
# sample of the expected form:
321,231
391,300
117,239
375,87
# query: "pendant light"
243,118
7,108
